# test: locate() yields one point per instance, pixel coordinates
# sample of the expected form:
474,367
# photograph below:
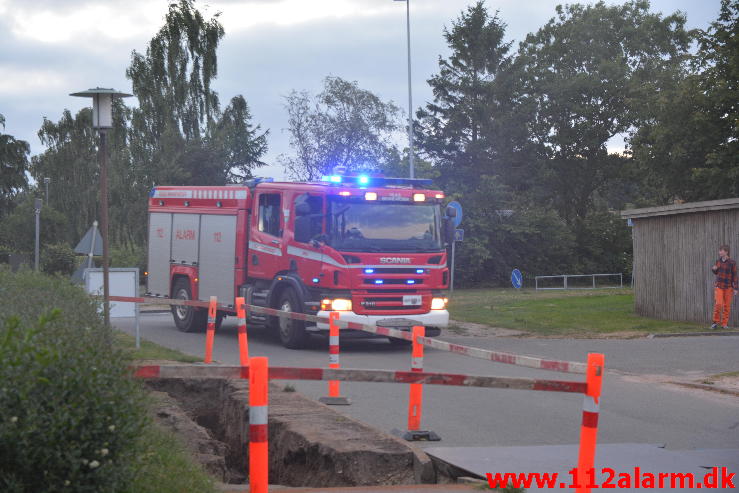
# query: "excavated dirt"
310,444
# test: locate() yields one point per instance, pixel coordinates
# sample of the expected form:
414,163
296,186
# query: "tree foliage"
13,166
461,130
587,73
344,125
687,146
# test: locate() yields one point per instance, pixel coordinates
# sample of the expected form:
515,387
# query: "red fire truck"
372,248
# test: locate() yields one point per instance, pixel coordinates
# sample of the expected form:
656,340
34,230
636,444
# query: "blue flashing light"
420,271
410,281
369,271
315,280
363,180
379,281
332,178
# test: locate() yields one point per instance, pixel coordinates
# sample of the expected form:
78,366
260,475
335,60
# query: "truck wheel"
187,318
292,332
399,342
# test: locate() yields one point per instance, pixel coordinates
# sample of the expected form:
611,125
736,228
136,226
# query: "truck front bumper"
434,320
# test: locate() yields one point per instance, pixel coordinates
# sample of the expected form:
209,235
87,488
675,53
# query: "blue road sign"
458,235
516,278
458,217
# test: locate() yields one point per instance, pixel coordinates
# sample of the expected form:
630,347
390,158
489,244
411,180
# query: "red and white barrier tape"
356,375
472,352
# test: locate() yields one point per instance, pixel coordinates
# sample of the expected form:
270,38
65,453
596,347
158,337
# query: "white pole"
451,277
38,228
410,99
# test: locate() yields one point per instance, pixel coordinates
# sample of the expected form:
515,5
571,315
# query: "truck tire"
187,318
399,342
291,332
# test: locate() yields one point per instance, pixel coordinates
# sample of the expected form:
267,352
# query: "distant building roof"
668,210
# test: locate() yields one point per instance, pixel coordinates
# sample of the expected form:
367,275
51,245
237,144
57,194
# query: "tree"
474,135
688,144
70,161
343,126
240,142
588,73
178,134
18,230
465,130
13,167
173,80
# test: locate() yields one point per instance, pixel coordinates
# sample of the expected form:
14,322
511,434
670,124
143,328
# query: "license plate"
412,300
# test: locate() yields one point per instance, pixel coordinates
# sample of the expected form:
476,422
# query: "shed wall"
673,256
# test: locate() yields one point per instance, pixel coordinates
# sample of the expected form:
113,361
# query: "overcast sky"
49,48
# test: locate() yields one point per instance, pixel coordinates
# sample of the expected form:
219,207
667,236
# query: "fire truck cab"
371,248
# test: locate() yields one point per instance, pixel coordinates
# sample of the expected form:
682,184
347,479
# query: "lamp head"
102,105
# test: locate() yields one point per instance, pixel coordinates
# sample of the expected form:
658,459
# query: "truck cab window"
270,214
308,217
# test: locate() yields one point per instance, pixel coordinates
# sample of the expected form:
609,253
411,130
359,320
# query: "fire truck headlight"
438,303
341,305
370,196
419,197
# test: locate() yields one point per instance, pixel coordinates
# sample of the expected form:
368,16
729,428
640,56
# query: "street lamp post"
410,97
37,212
46,184
102,120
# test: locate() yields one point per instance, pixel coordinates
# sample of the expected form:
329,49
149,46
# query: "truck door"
265,242
306,221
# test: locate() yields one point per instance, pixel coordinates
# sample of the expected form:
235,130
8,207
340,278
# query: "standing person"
724,288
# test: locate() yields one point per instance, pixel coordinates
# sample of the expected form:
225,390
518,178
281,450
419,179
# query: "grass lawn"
165,466
149,350
559,313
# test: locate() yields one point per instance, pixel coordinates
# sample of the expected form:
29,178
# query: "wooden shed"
674,249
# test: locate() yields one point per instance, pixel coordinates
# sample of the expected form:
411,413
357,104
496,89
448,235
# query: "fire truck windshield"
383,227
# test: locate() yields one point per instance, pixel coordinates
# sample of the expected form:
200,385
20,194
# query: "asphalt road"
633,410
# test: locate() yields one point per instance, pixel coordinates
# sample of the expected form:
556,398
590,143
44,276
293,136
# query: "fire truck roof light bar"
363,181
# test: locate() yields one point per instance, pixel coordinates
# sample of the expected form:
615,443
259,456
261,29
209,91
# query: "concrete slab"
363,489
560,459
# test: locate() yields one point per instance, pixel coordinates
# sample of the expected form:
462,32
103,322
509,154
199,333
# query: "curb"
710,388
695,334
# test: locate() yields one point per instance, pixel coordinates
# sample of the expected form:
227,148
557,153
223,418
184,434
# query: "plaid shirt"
726,274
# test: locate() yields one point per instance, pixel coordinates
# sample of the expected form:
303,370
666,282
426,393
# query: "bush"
58,258
70,417
129,257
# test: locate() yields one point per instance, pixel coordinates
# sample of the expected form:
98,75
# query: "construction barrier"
243,341
473,352
589,427
415,396
258,425
334,386
361,375
591,388
210,333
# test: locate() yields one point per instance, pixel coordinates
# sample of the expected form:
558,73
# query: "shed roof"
668,210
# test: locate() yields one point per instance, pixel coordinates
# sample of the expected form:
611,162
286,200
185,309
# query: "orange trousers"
722,306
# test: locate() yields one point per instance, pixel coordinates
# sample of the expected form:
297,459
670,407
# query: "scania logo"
394,260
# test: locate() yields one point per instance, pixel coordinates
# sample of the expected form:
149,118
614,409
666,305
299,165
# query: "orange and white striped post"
211,329
589,427
334,398
243,341
415,401
258,427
